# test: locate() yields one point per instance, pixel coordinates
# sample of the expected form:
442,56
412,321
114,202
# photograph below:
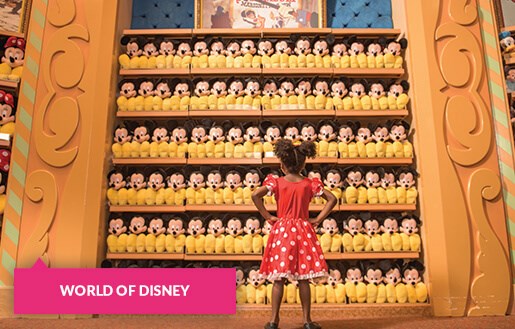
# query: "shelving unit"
9,84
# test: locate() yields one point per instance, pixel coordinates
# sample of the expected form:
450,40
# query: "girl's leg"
277,297
305,299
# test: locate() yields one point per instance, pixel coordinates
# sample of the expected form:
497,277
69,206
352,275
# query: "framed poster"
248,14
13,15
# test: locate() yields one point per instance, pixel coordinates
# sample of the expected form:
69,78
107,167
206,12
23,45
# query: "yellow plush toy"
358,96
126,100
215,238
214,189
358,59
321,51
331,240
156,239
327,145
136,193
159,146
136,240
355,192
406,189
241,289
320,290
252,98
335,289
200,101
162,94
232,55
393,52
253,147
200,54
308,133
134,49
145,99
380,135
355,288
251,182
346,146
377,95
116,193
400,146
302,51
198,139
166,51
215,146
155,192
410,237
281,57
234,99
270,99
376,290
264,53
289,100
272,133
234,143
217,101
117,238
291,292
387,192
248,50
321,91
196,192
391,238
122,143
416,289
233,192
353,239
333,183
178,146
196,240
372,182
175,239
397,95
338,93
396,291
373,237
175,193
180,101
140,145
182,58
267,228
233,239
148,58
375,58
216,58
256,288
252,240
365,144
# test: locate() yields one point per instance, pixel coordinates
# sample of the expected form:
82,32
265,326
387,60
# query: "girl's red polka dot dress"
293,250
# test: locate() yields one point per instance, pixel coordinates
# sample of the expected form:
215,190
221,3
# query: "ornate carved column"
463,209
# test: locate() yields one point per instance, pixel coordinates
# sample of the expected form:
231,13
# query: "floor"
215,322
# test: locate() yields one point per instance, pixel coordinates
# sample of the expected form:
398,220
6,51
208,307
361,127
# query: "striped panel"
500,110
20,148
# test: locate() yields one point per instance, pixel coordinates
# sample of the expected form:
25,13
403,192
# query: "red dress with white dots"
293,250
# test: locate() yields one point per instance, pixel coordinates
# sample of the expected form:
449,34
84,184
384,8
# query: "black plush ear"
351,40
364,82
124,41
264,125
293,37
330,39
383,42
403,42
405,85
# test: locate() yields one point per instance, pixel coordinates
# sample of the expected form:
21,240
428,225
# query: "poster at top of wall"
508,10
244,14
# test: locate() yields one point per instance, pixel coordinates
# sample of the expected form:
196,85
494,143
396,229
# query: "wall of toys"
197,120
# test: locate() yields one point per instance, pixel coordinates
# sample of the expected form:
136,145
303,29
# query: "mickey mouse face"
184,49
398,133
357,90
233,49
132,50
511,75
116,181
252,226
321,88
354,178
255,278
217,48
198,134
141,134
339,50
219,89
116,227
270,89
236,88
146,88
330,226
267,228
345,134
372,179
282,47
235,135
150,49
248,47
388,180
215,227
393,48
356,48
233,180
176,181
354,275
128,90
163,90
335,277
303,88
234,227
303,46
252,88
374,49
240,277
327,133
390,226
156,181
287,88
321,48
200,48
196,180
315,174
374,276
393,276
376,90
381,134
292,133
175,227
214,180
216,134
160,135
409,226
155,226
396,90
333,179
179,135
202,88
166,48
308,133
252,180
265,48
273,134
137,225
121,135
372,227
411,277
338,89
137,181
364,135
252,135
406,180
182,90
196,227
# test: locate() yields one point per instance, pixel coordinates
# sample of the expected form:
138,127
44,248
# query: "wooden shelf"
12,34
223,257
349,72
225,161
286,32
371,113
149,72
372,255
298,113
5,144
226,71
224,113
510,61
366,32
376,161
321,160
304,71
9,84
149,161
509,28
378,207
255,33
163,32
220,208
148,209
145,255
152,114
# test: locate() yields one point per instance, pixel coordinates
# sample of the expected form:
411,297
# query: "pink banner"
40,290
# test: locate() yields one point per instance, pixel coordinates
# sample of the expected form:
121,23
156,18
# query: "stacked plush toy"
13,58
8,106
5,160
507,43
295,52
255,94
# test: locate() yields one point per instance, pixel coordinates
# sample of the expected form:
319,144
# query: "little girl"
293,250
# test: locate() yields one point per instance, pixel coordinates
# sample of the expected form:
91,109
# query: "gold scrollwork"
61,13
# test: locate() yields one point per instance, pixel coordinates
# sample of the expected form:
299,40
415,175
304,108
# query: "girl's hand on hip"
272,219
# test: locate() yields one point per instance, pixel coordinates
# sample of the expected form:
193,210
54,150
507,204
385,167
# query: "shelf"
318,160
255,33
145,255
349,72
223,257
304,71
149,161
5,144
286,32
367,32
148,72
376,161
226,71
371,113
509,61
223,208
152,114
224,113
9,84
225,161
298,113
378,207
163,32
148,209
12,34
372,255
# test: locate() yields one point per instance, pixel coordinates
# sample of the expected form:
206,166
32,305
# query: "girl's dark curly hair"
293,157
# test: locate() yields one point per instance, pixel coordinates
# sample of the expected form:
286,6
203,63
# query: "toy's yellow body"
196,150
233,196
320,293
195,196
373,243
241,294
356,293
214,196
215,244
175,244
388,195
